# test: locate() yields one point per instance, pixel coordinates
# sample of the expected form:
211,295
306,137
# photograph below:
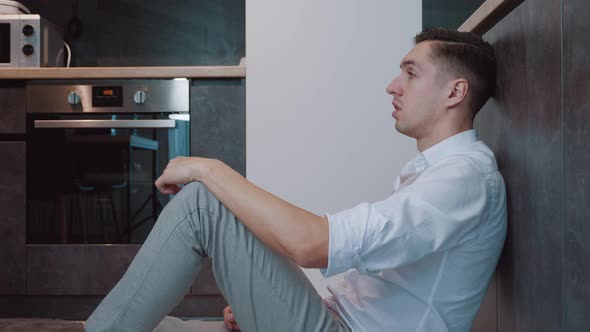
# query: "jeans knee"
184,203
199,192
190,191
193,187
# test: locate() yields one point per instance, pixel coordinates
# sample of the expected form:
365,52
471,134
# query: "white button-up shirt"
422,259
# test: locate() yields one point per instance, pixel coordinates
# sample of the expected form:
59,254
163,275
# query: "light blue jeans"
267,292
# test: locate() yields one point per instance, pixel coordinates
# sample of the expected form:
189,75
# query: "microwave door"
9,41
5,46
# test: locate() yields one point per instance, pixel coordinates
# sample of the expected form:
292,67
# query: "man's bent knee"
194,193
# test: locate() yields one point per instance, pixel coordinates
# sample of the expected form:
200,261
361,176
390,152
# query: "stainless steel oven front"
94,150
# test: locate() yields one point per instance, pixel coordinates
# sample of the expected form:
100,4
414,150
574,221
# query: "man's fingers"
232,326
166,188
226,313
229,319
170,189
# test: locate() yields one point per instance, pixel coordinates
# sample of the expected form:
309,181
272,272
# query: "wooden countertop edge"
488,14
125,72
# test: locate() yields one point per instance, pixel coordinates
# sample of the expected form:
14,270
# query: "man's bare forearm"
292,231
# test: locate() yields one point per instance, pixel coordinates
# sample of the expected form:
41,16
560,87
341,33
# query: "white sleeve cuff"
346,231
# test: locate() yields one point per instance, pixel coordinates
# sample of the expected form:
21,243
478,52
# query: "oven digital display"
4,42
107,96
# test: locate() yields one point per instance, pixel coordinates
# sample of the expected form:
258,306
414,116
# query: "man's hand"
179,171
229,319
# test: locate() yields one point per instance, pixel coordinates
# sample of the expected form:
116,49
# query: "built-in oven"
94,150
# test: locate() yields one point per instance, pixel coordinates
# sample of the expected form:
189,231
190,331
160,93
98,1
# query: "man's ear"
457,91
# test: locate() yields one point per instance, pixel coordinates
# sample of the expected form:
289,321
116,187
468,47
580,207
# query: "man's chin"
399,128
403,130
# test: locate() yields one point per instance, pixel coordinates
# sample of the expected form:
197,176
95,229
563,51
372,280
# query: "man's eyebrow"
409,63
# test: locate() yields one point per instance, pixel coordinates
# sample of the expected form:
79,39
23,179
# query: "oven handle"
62,124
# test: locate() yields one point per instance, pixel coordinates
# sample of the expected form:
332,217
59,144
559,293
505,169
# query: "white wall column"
319,128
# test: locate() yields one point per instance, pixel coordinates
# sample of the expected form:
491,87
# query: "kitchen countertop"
125,72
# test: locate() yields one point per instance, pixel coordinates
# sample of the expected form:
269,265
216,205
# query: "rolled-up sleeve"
441,209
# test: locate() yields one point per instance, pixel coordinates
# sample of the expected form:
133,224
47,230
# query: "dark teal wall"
447,13
150,32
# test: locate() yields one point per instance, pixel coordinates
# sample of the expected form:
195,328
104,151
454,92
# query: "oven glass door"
91,179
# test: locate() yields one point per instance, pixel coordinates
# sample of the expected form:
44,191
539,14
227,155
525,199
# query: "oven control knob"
139,97
73,98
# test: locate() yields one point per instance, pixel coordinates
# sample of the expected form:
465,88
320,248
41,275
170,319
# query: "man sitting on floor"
420,260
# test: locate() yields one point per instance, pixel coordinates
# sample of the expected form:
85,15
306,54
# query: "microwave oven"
30,41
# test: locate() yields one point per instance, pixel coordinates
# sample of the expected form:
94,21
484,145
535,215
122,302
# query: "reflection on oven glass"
97,187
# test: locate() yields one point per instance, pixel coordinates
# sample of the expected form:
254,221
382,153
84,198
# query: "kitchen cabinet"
12,188
68,281
192,39
12,218
12,107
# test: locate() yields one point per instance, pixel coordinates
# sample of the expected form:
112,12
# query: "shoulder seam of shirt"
481,170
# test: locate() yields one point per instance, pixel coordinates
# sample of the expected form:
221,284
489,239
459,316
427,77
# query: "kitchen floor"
168,324
39,325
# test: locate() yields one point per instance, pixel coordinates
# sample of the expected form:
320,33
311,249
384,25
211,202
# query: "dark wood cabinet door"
12,107
12,217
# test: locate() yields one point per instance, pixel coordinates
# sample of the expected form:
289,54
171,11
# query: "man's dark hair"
466,55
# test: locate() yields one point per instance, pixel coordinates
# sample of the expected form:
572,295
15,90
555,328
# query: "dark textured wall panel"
487,316
12,217
576,144
522,124
218,121
149,32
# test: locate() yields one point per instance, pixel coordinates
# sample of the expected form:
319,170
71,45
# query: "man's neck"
434,138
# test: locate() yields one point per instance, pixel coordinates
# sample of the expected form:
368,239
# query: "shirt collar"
449,146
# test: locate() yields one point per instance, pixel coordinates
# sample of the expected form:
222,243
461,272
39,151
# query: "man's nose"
394,88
